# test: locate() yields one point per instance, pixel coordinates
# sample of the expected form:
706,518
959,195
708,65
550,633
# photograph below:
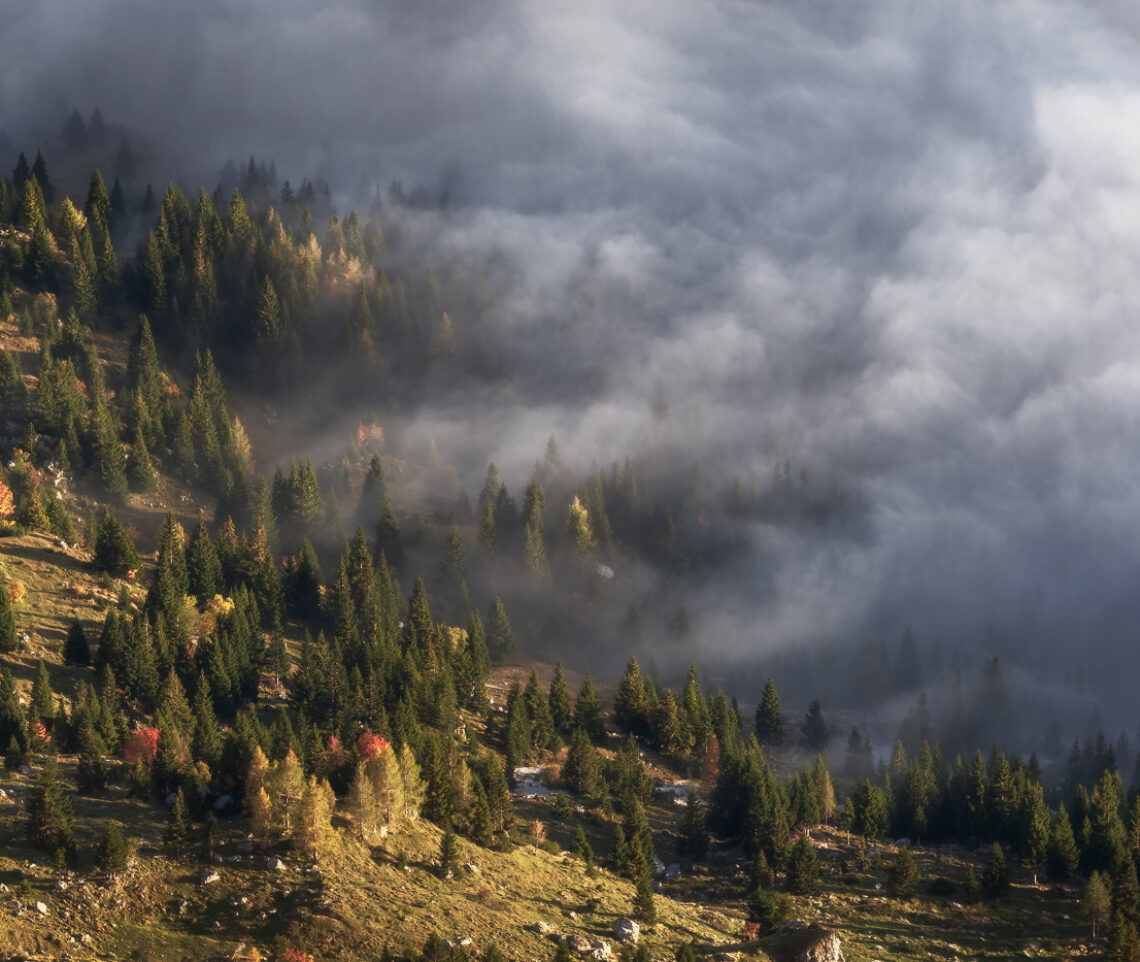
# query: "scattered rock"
542,928
85,939
210,877
61,885
41,908
822,946
245,848
600,950
627,930
24,770
223,802
673,872
579,944
275,865
658,868
471,867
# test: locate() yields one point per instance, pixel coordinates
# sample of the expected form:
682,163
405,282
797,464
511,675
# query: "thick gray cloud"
896,242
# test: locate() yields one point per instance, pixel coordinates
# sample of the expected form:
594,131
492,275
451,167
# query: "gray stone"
41,908
600,950
579,944
223,802
627,930
673,872
245,848
542,928
208,878
275,865
824,949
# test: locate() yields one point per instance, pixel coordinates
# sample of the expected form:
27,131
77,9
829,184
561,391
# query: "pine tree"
140,470
114,550
588,710
48,808
448,854
9,639
111,855
582,771
644,908
580,846
179,827
1095,902
815,728
41,707
203,568
538,712
559,700
76,650
630,708
1062,855
769,720
903,878
500,636
803,868
692,838
372,492
388,539
995,879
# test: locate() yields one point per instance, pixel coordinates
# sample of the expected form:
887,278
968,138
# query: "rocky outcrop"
627,930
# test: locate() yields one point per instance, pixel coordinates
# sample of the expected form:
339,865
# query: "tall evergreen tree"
500,636
769,719
48,809
559,700
588,710
111,856
9,639
76,650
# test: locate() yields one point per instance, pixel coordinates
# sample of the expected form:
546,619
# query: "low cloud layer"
896,243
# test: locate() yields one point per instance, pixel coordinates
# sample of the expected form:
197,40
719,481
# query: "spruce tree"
179,827
114,550
9,639
559,700
388,538
588,710
995,878
803,868
903,878
448,854
644,908
580,846
48,809
500,636
582,770
693,838
630,706
815,727
769,719
1062,855
140,470
111,855
41,707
